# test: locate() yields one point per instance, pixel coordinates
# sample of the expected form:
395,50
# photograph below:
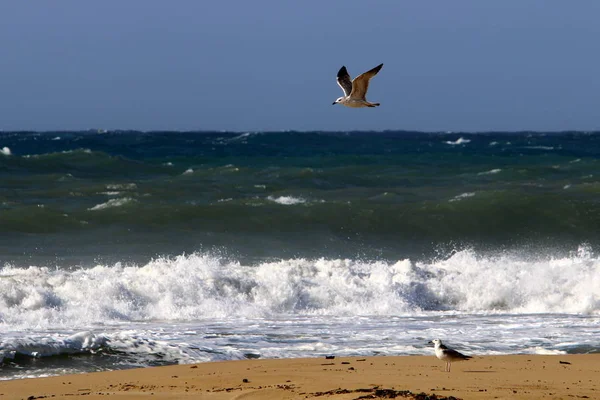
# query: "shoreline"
341,378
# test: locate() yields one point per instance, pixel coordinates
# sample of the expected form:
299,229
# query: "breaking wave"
198,286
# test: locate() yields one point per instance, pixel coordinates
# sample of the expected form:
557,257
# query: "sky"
464,65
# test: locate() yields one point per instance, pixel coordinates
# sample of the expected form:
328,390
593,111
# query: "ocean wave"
59,153
462,196
5,151
36,347
287,200
121,186
482,217
81,162
545,352
490,172
199,286
539,147
113,203
240,138
458,141
90,343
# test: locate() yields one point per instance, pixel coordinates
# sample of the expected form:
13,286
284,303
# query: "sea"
125,249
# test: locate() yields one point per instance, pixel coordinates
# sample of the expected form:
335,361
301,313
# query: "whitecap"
121,186
75,151
490,172
112,203
287,200
462,196
5,151
458,141
539,147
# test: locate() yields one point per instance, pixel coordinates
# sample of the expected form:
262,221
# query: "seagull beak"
334,103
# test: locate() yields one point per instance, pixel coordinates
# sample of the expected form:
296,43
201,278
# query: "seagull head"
436,342
338,100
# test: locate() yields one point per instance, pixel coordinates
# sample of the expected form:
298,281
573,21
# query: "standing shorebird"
449,355
355,91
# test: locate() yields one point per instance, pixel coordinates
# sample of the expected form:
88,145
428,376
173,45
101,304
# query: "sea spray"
198,286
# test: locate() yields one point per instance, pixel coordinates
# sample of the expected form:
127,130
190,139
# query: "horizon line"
449,132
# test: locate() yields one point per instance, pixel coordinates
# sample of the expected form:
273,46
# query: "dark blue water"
76,197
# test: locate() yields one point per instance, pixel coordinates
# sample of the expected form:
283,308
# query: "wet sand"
485,377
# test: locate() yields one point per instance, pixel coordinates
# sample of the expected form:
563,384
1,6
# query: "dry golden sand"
488,377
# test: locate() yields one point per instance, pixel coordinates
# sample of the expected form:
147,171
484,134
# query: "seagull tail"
373,105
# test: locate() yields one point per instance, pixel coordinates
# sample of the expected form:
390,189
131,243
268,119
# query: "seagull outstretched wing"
360,84
343,79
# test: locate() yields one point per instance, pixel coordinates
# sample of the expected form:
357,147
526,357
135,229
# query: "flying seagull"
446,354
355,90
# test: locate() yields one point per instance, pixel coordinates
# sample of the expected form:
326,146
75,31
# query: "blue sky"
270,64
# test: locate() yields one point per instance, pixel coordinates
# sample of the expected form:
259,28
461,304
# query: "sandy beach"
487,377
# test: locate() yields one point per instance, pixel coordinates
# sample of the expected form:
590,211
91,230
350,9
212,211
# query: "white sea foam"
490,172
188,171
87,342
43,155
458,141
202,307
112,203
49,346
121,186
5,151
287,200
462,196
569,285
243,137
213,288
547,352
